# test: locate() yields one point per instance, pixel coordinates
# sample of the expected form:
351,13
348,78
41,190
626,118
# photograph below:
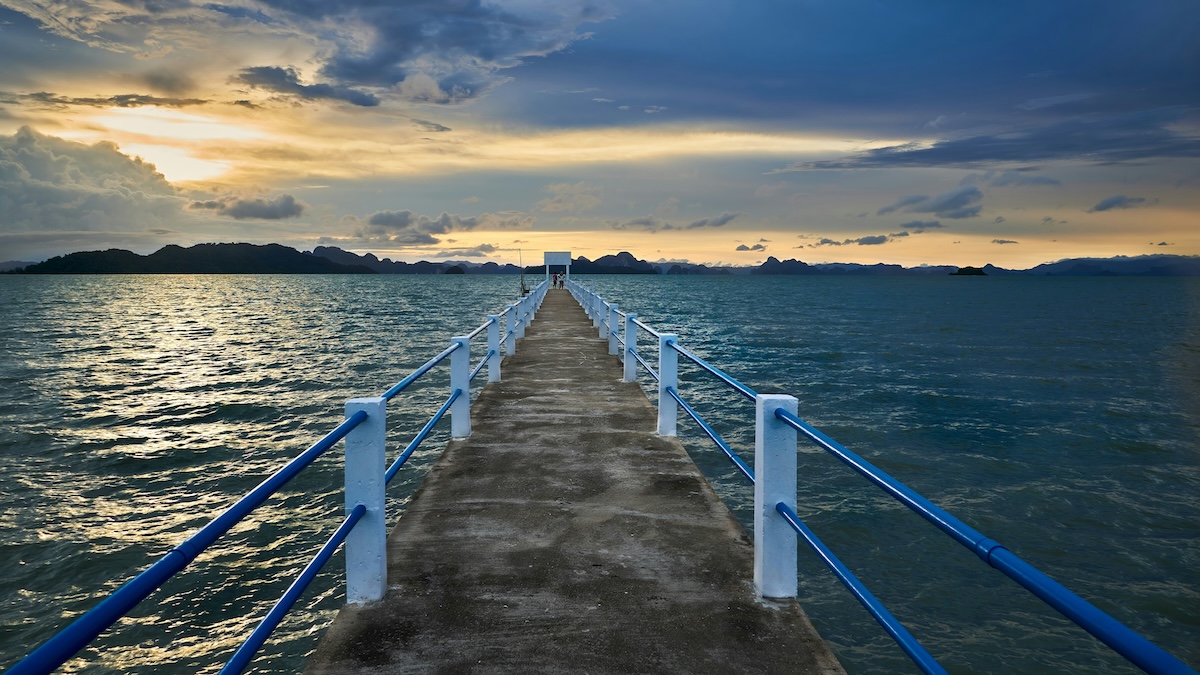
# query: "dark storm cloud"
425,50
1118,202
284,206
287,81
958,203
459,44
879,70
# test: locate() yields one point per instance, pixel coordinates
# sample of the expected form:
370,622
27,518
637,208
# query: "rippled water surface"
1058,416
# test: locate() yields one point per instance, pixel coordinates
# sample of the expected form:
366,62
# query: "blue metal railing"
58,649
66,643
1129,644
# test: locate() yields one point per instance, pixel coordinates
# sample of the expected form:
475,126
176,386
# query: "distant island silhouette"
240,258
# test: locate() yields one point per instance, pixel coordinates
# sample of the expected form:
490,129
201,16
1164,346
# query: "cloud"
287,81
398,48
1019,178
715,221
284,206
411,229
655,224
426,125
480,251
48,99
1004,241
1050,101
869,240
648,223
571,198
654,109
49,183
1106,139
756,247
998,220
919,226
958,203
1117,202
902,203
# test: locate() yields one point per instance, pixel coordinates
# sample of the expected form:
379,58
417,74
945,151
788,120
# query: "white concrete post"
460,378
601,320
521,306
668,376
494,348
510,341
774,482
631,362
612,329
366,546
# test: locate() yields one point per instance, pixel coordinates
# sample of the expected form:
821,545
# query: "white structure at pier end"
558,258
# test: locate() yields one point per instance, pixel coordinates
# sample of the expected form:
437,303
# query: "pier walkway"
564,535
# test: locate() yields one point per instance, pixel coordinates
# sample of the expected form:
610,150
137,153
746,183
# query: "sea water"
1059,416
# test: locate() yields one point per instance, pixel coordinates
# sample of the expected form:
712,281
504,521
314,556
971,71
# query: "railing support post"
598,320
510,335
521,319
366,546
612,329
494,348
775,481
460,379
668,377
631,362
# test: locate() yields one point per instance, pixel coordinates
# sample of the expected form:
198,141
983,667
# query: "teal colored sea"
1059,416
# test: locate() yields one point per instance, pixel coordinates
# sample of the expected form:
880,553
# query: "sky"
722,132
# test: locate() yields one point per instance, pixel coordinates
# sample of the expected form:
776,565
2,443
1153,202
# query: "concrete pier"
565,536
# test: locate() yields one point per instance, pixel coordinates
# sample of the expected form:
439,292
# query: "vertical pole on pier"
460,380
668,378
494,348
521,305
602,320
628,357
366,546
510,335
612,329
774,482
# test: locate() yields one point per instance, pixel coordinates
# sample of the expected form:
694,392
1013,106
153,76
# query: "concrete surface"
564,536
